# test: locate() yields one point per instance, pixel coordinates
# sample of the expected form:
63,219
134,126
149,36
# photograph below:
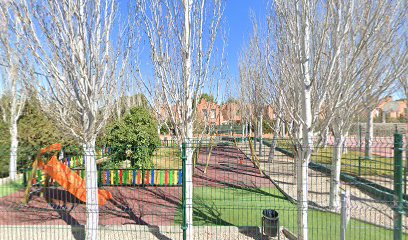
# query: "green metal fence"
234,180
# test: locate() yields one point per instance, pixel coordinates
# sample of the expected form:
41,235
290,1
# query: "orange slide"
67,178
71,181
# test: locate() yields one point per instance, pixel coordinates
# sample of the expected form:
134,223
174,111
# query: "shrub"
134,138
35,131
4,149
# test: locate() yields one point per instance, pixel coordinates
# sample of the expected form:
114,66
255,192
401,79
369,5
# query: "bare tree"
361,79
403,82
15,70
74,45
302,73
387,50
182,38
253,76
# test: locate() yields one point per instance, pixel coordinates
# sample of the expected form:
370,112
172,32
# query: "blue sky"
239,26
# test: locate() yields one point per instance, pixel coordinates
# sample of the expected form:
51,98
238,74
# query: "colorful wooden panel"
139,177
130,179
120,177
171,177
167,178
125,177
162,176
116,182
134,177
175,177
152,177
157,175
146,177
108,177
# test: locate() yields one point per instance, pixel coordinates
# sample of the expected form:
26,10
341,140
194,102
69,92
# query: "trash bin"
270,222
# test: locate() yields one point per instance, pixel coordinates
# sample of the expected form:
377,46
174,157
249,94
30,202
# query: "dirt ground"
158,206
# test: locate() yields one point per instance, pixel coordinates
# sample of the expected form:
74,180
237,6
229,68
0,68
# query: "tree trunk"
274,140
325,137
13,150
255,134
369,135
335,171
187,64
283,130
303,188
189,181
384,117
260,133
307,131
92,207
345,149
250,128
243,133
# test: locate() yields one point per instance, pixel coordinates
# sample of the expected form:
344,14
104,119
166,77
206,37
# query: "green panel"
162,177
117,177
171,177
39,176
125,177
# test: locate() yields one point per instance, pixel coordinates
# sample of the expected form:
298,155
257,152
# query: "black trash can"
270,222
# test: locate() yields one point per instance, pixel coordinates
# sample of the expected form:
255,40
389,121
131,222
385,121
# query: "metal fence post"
398,186
184,206
345,214
359,166
360,140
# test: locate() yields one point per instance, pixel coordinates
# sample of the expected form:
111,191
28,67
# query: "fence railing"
234,180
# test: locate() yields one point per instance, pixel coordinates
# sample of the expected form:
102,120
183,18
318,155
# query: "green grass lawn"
167,158
10,188
378,166
243,207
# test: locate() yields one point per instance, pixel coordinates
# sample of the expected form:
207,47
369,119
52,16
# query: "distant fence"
122,177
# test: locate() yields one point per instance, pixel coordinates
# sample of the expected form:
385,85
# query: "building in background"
390,110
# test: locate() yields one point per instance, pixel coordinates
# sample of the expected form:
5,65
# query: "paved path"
363,207
124,232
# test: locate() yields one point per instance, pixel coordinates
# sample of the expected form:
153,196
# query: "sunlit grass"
10,188
243,207
167,158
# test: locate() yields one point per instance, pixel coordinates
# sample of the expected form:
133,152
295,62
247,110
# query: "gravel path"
363,206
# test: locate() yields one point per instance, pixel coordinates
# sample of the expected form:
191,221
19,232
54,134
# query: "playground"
230,193
150,197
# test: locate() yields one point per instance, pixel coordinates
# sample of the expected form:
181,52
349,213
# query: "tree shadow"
246,187
252,232
207,212
77,229
62,195
120,201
